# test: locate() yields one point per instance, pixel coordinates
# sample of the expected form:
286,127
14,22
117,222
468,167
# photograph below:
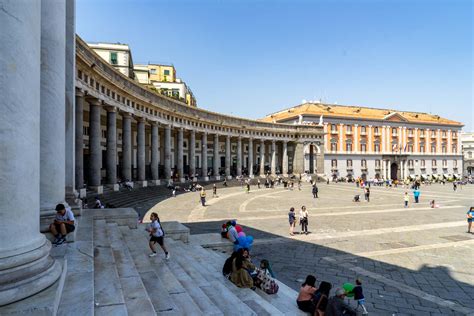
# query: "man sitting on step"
63,224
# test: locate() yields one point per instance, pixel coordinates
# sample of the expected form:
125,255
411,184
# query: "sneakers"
153,254
59,241
167,257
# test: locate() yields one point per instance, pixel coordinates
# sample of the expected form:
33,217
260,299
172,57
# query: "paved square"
415,260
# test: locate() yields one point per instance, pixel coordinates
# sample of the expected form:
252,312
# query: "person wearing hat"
336,305
63,224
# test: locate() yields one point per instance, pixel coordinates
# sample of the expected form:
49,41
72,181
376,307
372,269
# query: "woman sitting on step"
242,270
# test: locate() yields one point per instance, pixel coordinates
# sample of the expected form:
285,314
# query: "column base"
205,178
82,193
28,273
142,184
182,180
229,177
114,187
217,178
97,189
251,176
154,182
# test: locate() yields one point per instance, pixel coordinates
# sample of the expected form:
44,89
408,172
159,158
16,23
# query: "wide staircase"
109,272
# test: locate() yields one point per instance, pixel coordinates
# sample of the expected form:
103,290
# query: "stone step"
136,296
226,300
108,293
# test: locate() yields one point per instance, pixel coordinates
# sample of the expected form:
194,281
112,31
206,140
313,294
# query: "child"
470,218
156,235
406,198
359,297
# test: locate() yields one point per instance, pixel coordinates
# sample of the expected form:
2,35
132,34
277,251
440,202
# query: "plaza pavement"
413,261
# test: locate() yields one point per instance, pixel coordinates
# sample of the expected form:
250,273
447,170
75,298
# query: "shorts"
470,220
159,240
69,227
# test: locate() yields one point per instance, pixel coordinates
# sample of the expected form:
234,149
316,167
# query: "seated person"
321,297
336,305
98,203
266,268
63,224
305,298
240,271
356,198
227,268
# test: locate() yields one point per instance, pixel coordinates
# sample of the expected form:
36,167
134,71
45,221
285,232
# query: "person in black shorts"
156,235
63,224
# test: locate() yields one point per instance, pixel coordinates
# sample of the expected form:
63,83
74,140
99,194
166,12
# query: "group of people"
317,300
302,218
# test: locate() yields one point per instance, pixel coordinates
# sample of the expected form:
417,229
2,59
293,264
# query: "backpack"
267,283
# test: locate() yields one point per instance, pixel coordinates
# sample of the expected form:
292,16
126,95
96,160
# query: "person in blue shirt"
416,194
470,218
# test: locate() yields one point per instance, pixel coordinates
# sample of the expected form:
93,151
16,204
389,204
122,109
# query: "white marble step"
136,296
108,293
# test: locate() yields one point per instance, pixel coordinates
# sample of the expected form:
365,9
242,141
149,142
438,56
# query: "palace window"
153,71
376,130
363,164
349,163
444,134
433,133
333,128
433,163
445,163
469,154
422,132
410,148
455,149
349,128
166,72
113,58
422,148
410,132
377,147
363,129
348,147
422,163
377,164
444,149
455,163
433,148
333,146
334,163
394,131
363,148
410,164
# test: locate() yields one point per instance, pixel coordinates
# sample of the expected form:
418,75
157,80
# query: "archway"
394,171
311,153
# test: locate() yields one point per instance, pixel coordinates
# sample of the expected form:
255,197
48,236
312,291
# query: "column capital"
140,119
154,123
94,101
110,108
126,114
356,124
80,92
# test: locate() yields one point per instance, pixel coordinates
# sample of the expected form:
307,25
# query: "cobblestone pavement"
413,261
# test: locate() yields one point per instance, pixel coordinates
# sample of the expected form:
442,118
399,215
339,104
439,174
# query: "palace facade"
380,143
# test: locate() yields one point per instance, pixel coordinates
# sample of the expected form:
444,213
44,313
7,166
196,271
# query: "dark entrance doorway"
311,159
394,171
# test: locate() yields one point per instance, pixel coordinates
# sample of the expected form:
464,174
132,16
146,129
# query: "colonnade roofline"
92,69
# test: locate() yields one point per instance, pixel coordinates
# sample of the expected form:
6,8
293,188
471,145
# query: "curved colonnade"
146,137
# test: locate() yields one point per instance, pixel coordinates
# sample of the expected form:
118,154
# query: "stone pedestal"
154,182
142,184
25,265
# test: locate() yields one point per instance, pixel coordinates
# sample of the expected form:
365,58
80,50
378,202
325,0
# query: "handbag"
266,283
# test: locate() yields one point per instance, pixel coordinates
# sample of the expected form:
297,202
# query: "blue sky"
252,58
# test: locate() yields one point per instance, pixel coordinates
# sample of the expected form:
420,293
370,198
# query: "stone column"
204,157
262,158
70,90
141,152
227,157
95,148
192,154
53,106
217,158
180,155
112,147
79,144
285,159
126,146
155,154
407,172
25,265
168,152
389,169
239,156
250,166
273,157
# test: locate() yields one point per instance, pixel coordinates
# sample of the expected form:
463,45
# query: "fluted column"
192,153
250,166
95,148
53,104
141,152
262,158
25,265
204,157
227,157
273,157
168,152
79,143
126,146
180,155
112,147
155,154
217,160
285,158
239,156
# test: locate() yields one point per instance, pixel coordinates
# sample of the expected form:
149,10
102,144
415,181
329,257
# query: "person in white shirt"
304,220
63,224
156,235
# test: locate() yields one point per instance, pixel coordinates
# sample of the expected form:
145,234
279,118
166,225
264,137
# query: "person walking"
299,185
292,220
304,220
203,196
406,199
156,235
470,219
315,191
367,194
416,195
258,183
248,186
214,190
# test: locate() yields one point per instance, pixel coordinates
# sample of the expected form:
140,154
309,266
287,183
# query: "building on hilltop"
381,143
117,54
467,142
162,78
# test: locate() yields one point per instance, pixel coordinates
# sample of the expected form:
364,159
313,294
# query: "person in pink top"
305,297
